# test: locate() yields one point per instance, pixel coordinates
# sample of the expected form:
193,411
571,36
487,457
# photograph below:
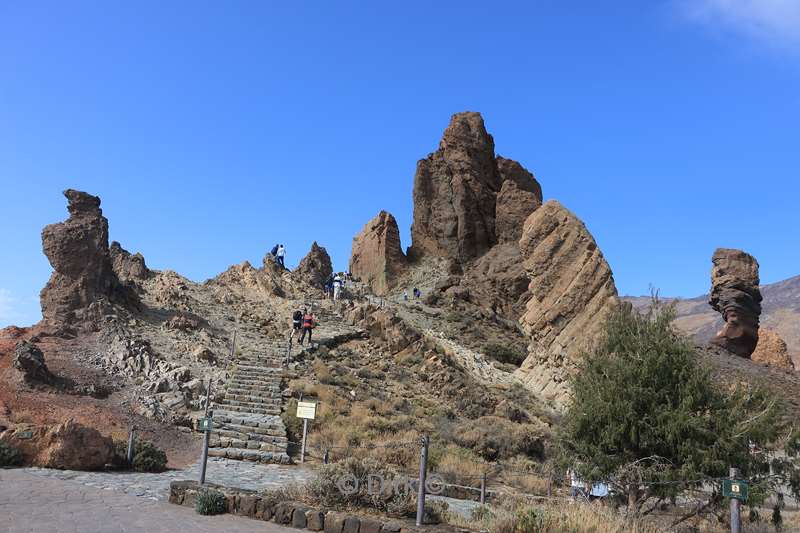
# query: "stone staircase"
247,422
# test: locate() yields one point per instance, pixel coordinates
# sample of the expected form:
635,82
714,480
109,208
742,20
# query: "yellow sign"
306,410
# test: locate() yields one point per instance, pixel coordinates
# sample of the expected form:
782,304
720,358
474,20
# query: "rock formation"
771,350
571,290
68,446
735,294
83,280
315,268
29,362
377,258
129,268
459,194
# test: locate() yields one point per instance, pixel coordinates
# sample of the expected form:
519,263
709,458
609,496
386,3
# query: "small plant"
146,456
210,502
9,456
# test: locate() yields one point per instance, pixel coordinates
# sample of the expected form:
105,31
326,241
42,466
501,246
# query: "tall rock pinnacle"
735,294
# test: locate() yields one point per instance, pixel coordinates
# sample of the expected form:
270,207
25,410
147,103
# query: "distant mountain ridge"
781,312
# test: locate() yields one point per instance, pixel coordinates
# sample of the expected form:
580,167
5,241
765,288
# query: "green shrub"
9,456
504,354
210,502
146,456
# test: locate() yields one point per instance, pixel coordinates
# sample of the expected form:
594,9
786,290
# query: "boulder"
315,268
771,350
735,294
83,281
67,446
29,362
572,292
377,258
460,195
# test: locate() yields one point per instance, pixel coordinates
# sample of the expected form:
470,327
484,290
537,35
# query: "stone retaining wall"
250,504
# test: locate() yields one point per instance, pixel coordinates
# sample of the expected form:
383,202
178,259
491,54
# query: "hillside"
780,311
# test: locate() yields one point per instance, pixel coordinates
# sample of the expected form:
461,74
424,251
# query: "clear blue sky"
212,130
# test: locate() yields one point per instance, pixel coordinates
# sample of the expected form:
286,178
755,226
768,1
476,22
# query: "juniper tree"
648,418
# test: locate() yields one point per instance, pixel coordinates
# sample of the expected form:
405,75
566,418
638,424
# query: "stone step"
275,439
263,382
256,456
237,388
270,431
272,402
250,410
219,441
256,368
251,396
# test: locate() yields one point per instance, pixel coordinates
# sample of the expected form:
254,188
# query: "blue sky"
212,130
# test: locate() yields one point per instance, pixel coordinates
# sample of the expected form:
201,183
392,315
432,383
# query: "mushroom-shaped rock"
735,294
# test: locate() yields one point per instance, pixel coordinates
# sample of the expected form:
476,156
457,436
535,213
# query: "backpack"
297,316
274,250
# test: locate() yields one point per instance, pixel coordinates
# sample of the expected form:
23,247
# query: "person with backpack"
309,322
274,251
280,253
297,321
337,286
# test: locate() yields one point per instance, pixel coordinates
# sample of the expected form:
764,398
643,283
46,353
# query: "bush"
210,502
504,354
9,456
146,456
495,438
352,484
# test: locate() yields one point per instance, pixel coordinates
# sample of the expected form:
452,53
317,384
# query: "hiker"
416,293
297,321
280,254
329,288
308,325
405,295
337,286
274,251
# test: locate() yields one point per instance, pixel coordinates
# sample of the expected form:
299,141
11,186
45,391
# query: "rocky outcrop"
382,324
459,194
29,362
315,268
572,292
83,282
771,350
129,268
498,281
735,294
377,258
67,446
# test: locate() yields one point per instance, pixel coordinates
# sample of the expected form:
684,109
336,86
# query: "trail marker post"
307,411
736,490
130,445
423,472
483,488
205,424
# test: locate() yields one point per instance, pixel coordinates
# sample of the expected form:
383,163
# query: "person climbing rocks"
297,323
280,253
274,251
337,286
309,322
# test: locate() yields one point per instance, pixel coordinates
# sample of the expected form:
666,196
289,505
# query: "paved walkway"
32,503
243,475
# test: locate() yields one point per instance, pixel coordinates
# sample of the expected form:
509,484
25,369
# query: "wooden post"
483,488
736,517
303,444
130,445
549,485
325,457
423,472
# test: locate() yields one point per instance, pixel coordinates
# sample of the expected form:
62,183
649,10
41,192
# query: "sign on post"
24,435
306,410
734,488
204,424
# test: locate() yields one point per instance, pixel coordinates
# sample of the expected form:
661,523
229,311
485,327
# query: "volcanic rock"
771,350
83,281
735,294
572,292
68,446
29,362
129,268
456,192
315,268
377,258
498,281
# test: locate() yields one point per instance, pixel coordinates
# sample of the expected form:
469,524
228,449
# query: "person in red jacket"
309,322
